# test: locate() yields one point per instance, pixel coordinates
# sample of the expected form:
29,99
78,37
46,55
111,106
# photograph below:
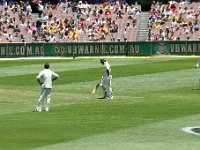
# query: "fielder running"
197,64
105,82
45,79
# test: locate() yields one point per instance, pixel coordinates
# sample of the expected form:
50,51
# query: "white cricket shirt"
107,67
46,76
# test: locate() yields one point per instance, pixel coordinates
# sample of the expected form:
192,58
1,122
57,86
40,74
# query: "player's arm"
108,72
95,88
38,80
55,76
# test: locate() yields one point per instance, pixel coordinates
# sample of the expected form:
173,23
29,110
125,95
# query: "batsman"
105,82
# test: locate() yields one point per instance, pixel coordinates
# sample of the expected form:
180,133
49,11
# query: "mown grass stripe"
84,75
73,116
25,67
155,136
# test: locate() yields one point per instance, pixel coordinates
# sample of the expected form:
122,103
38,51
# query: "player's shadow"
101,98
195,89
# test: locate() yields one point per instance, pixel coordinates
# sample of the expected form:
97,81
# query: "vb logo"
59,50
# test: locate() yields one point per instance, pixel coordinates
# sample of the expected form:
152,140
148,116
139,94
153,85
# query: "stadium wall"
14,50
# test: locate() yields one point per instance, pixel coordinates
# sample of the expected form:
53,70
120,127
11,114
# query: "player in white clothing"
197,64
45,78
105,82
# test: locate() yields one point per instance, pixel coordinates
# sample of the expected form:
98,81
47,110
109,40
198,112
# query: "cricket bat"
94,90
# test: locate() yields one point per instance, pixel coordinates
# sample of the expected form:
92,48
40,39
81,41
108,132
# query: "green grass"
153,101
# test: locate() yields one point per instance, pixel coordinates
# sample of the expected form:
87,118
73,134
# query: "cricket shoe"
36,110
104,97
111,97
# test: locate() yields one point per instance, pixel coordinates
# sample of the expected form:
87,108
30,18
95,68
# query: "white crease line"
189,130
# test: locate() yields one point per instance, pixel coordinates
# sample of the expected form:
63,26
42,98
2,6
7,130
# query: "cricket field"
154,99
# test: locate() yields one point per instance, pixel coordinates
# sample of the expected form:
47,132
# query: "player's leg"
101,84
197,64
104,92
48,95
40,100
199,82
109,88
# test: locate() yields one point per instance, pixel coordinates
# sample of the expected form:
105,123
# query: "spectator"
4,32
65,4
11,23
39,26
74,37
114,27
22,38
17,29
40,8
5,3
52,38
172,36
51,20
16,37
10,38
196,25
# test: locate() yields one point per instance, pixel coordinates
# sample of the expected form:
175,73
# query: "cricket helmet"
102,60
46,66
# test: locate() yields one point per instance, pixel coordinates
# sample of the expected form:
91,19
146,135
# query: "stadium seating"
71,22
174,21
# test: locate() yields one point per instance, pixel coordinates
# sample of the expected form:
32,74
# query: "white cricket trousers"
45,94
106,85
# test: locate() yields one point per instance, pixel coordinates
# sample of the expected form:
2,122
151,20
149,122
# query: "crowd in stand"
68,21
174,21
112,20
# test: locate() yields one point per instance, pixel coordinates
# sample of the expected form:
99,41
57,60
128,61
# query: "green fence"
10,50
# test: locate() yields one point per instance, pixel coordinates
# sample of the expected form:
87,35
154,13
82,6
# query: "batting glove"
110,77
